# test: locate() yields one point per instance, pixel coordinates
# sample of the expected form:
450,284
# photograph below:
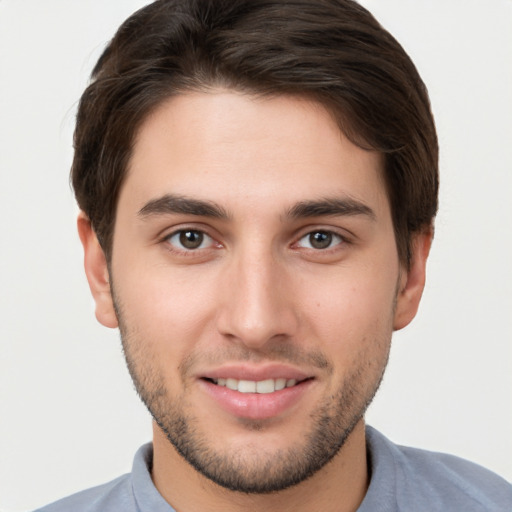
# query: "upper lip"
255,373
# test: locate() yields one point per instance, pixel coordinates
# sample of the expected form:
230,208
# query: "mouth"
257,392
266,386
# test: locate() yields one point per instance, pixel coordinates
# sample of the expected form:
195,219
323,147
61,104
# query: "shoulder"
448,479
438,480
112,496
122,494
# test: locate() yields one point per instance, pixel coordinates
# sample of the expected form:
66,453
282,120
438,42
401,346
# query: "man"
257,183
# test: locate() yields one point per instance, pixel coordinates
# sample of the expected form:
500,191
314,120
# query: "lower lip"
256,406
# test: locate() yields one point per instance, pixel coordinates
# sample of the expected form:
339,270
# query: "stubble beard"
255,471
262,472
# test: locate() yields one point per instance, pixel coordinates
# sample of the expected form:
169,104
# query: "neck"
339,486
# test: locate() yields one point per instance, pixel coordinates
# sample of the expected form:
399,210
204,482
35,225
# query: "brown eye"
320,240
189,239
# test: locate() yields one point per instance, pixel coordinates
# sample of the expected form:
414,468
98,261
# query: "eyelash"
331,235
188,250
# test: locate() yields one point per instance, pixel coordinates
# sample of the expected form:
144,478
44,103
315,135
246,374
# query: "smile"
258,399
252,386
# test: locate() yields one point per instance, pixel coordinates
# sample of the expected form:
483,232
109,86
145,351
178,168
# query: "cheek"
159,329
167,307
351,310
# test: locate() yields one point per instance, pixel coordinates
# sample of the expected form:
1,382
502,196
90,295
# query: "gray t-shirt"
402,479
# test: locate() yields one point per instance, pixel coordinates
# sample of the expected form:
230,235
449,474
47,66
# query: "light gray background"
68,415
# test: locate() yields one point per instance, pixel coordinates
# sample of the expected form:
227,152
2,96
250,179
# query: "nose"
257,303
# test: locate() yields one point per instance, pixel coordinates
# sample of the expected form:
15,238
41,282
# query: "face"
256,283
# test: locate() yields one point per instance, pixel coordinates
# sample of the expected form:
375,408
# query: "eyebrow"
330,207
170,203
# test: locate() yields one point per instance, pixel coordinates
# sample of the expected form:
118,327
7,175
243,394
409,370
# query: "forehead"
242,150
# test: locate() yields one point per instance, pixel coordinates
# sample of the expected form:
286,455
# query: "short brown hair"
331,51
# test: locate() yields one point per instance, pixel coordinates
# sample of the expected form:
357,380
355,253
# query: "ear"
412,281
96,270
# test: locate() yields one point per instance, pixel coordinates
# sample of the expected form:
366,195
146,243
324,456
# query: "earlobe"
413,280
96,270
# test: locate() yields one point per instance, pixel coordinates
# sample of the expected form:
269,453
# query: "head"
258,182
334,53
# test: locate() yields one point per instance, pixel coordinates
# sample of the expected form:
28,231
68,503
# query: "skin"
257,294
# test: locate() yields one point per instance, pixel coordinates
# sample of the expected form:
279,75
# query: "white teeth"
232,384
280,384
251,386
265,386
247,386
